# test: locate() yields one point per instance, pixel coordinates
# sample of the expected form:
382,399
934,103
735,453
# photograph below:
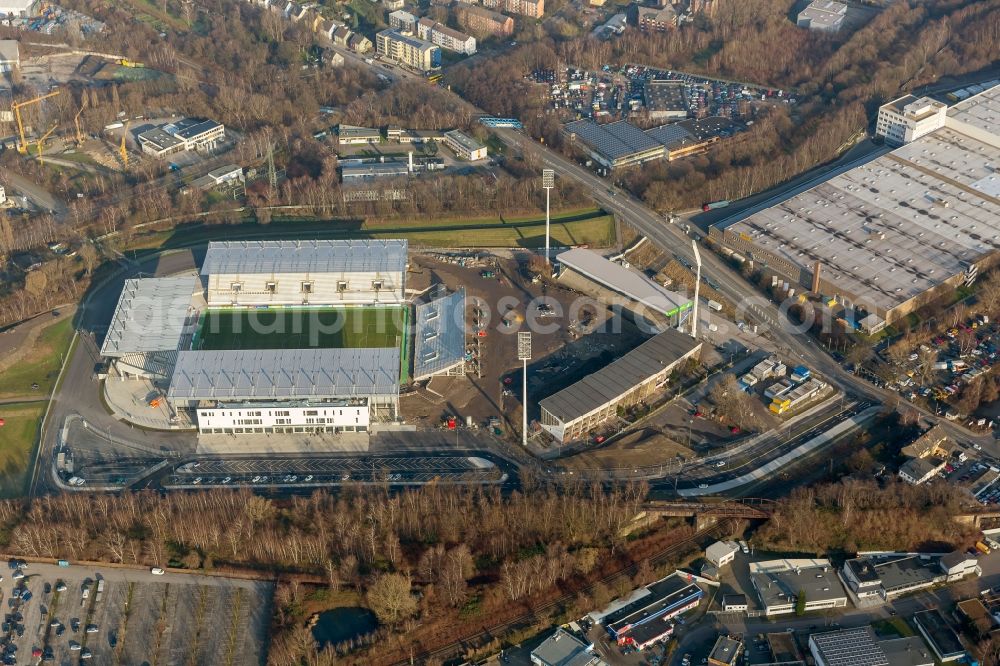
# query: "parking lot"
76,615
325,471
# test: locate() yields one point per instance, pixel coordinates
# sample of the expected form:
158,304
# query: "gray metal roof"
849,647
592,392
150,315
670,135
282,374
562,649
308,256
440,335
614,140
623,280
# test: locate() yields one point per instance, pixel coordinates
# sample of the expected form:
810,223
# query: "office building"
182,136
908,118
822,15
779,582
465,146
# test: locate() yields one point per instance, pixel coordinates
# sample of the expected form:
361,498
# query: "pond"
342,624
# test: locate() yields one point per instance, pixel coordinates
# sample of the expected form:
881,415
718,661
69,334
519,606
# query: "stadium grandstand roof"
440,335
150,315
308,256
623,280
622,375
285,374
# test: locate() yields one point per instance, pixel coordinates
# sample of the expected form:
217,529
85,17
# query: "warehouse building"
465,146
287,390
641,619
574,411
665,99
319,272
779,582
822,15
406,50
445,37
565,649
615,144
351,134
891,235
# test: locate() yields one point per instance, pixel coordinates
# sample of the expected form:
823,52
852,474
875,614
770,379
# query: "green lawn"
41,364
323,328
17,441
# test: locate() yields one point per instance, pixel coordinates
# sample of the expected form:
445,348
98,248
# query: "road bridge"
707,512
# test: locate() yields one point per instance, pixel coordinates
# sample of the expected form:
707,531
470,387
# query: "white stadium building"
224,379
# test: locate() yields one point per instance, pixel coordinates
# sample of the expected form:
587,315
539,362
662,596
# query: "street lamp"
524,355
548,182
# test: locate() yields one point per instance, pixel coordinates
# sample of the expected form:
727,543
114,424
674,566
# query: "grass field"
17,440
40,365
324,328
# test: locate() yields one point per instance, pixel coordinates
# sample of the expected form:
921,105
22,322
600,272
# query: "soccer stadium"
284,336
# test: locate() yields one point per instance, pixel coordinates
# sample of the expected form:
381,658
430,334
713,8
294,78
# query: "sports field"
296,328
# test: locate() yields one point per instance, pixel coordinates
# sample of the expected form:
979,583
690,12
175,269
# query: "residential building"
651,19
722,553
939,635
393,5
409,51
916,471
445,37
735,603
10,55
932,443
359,43
483,21
725,652
779,582
341,35
465,146
352,134
565,649
908,118
403,21
571,413
823,15
530,8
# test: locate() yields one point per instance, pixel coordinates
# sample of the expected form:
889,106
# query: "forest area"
838,80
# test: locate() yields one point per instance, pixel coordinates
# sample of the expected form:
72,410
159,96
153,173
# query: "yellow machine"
122,150
125,62
41,144
16,107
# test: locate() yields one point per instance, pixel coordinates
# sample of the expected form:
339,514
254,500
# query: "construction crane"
76,122
16,107
122,150
41,143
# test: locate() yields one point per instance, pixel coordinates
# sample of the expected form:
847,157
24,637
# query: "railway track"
498,630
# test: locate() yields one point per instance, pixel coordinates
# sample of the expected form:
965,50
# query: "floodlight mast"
548,182
524,355
697,286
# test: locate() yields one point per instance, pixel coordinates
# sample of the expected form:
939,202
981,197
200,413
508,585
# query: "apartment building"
530,8
445,37
485,21
406,50
403,21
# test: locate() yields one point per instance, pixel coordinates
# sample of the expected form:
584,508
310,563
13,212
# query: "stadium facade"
263,379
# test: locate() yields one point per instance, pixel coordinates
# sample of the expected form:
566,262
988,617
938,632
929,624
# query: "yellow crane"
16,107
122,150
76,122
41,143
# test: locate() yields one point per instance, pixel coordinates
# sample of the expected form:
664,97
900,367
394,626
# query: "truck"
713,205
982,548
715,305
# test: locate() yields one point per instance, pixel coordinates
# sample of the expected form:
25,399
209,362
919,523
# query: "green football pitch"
326,328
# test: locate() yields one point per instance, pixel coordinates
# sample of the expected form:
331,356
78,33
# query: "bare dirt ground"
562,350
649,446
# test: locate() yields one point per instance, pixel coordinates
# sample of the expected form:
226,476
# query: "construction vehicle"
16,107
982,548
122,150
125,62
41,143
